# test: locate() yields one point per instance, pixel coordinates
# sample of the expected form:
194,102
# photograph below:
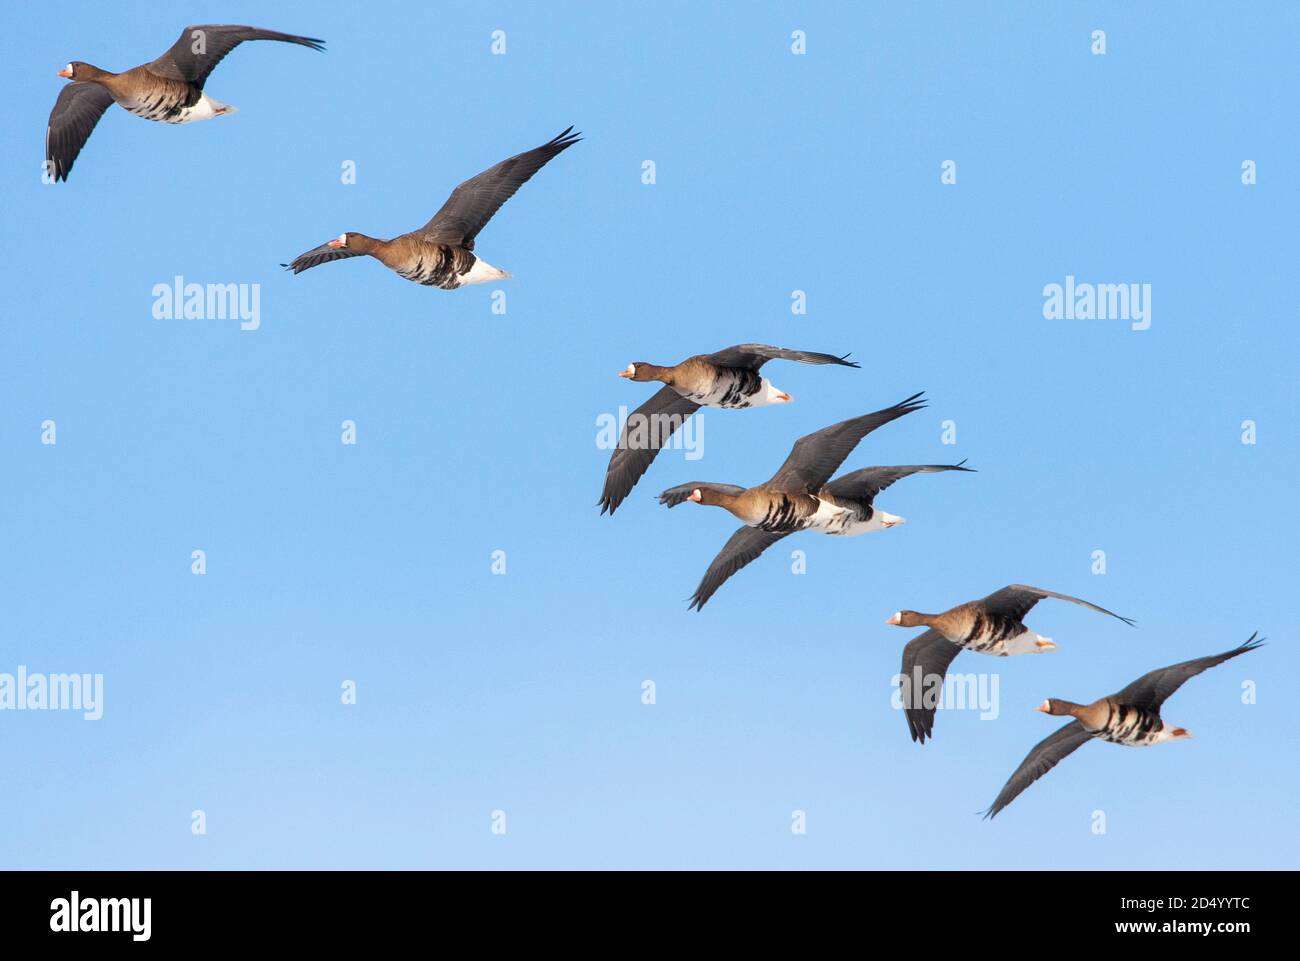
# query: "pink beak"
894,619
65,72
1045,708
624,373
336,243
693,496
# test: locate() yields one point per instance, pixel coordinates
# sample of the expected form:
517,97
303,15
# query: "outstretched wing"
202,46
644,434
817,456
472,204
743,546
319,255
75,113
931,653
1151,690
1016,600
1046,754
863,485
754,356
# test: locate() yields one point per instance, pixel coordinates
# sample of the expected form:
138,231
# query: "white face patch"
68,68
343,240
631,370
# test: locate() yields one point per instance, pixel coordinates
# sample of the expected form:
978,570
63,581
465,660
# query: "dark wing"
932,653
754,356
650,425
202,46
1016,600
319,255
472,204
676,495
743,546
817,456
75,113
865,484
1151,690
1045,756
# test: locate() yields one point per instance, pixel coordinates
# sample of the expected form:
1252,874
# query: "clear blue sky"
476,433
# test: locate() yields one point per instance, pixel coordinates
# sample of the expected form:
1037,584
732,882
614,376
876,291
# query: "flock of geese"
803,495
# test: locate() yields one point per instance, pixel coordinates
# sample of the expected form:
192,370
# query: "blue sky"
476,433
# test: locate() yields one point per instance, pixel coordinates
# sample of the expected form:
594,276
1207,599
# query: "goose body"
711,385
165,101
441,253
166,90
1132,726
1130,718
424,262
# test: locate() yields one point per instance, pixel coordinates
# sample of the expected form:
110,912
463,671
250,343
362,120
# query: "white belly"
828,518
482,273
205,109
850,525
1027,642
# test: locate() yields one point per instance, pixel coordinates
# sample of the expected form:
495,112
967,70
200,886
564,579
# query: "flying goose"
728,379
798,496
441,253
1131,717
992,625
169,89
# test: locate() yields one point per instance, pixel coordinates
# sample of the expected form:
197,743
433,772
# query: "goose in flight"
1131,717
441,253
728,379
169,89
991,625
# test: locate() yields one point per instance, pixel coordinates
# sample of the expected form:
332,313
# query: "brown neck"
1069,707
365,245
92,74
661,374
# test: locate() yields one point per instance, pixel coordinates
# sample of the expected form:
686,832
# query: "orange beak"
624,373
65,72
336,243
1044,708
693,496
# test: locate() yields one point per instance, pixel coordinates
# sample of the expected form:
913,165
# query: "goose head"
640,371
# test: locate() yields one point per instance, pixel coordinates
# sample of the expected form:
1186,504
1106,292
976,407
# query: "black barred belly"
438,266
990,632
788,512
165,103
1132,726
735,389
